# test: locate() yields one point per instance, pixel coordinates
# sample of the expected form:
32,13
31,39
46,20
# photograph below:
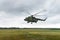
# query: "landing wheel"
31,22
27,22
35,22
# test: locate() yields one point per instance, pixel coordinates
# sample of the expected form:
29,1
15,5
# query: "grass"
29,34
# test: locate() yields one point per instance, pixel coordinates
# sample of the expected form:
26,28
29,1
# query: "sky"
13,12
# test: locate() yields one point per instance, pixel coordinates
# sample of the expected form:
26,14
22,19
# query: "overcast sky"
13,12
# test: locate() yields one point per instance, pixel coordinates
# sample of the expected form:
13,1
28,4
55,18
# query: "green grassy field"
29,34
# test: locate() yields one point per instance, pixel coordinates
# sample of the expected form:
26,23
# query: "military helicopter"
33,19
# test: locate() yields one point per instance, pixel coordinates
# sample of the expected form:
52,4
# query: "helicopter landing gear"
31,22
27,22
35,21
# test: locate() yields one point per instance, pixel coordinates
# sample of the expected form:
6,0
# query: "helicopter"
33,19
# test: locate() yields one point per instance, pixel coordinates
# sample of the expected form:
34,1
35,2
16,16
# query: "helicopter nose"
24,19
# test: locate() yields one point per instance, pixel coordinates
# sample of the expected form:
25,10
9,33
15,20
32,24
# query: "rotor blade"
40,12
28,12
40,16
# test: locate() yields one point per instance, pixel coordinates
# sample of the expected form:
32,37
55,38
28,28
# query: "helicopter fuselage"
33,19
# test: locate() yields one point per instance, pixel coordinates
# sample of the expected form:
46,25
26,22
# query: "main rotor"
37,12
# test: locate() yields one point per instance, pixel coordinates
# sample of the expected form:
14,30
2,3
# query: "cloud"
41,26
11,21
13,12
54,19
18,6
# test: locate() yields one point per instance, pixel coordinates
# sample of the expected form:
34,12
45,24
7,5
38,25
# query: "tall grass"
29,34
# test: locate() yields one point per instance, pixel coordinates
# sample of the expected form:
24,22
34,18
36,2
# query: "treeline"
44,28
10,28
55,29
30,28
